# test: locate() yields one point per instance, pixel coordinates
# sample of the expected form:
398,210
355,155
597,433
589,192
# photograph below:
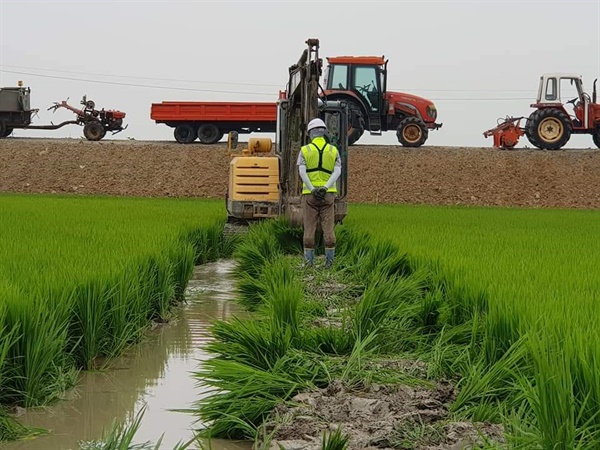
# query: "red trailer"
209,121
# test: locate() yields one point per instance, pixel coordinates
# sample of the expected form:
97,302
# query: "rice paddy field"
83,278
501,302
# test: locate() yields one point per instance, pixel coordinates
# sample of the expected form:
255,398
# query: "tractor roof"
561,75
366,60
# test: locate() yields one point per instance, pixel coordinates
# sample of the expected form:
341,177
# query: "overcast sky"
478,60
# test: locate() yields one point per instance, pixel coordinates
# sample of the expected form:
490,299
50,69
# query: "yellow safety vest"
320,161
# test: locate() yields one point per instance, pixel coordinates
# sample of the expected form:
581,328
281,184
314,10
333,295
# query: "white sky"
457,53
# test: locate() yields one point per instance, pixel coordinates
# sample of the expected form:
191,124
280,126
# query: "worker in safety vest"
320,166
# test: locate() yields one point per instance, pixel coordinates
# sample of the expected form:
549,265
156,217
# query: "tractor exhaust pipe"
595,93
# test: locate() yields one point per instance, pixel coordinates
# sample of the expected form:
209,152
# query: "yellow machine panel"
254,178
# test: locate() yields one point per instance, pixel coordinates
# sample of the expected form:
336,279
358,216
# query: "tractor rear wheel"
184,133
94,131
596,137
209,133
532,119
356,130
412,132
550,129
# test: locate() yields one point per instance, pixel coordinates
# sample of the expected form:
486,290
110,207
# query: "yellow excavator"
264,181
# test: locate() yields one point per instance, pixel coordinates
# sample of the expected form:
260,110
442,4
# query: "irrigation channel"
155,374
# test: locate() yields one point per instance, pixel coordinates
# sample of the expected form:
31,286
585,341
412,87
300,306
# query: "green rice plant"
256,251
254,289
255,343
562,398
383,300
11,430
329,340
242,397
335,440
89,321
7,337
120,436
126,314
38,355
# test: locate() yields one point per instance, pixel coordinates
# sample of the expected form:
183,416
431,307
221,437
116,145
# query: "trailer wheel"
412,132
94,131
209,133
596,137
2,129
550,128
184,133
7,132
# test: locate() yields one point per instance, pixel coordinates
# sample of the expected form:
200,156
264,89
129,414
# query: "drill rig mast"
297,106
265,183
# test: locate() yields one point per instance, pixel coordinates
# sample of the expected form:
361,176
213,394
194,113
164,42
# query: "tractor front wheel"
184,133
412,132
596,137
94,131
550,129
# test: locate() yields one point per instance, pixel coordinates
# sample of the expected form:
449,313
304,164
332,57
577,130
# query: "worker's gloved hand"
321,193
316,192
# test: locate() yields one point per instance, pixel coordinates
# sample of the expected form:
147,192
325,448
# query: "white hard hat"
316,123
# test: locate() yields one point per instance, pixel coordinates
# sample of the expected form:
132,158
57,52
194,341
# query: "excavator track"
233,229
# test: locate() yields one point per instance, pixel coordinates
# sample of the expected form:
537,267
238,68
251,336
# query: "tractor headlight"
431,111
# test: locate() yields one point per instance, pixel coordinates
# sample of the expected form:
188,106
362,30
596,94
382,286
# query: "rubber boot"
309,256
329,256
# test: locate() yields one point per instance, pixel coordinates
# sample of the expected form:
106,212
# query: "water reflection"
155,374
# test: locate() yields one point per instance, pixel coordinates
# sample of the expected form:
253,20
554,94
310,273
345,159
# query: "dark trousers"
318,211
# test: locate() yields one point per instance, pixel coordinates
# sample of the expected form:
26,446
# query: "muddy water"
156,374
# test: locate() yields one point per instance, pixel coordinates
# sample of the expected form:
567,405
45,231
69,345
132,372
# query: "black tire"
94,131
550,129
529,128
7,132
596,137
209,133
356,131
184,133
412,132
2,128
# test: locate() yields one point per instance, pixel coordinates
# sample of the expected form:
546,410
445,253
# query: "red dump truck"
209,121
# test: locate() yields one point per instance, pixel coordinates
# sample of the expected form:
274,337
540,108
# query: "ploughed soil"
377,174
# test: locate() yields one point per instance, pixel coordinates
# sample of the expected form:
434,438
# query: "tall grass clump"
81,278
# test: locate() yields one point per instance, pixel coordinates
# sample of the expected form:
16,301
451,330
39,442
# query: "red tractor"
550,126
362,82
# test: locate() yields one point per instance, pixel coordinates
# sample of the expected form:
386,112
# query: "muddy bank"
383,417
385,174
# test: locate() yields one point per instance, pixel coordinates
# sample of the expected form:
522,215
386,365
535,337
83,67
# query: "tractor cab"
558,89
365,79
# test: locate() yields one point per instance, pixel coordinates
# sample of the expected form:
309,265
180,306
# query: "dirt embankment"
384,174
